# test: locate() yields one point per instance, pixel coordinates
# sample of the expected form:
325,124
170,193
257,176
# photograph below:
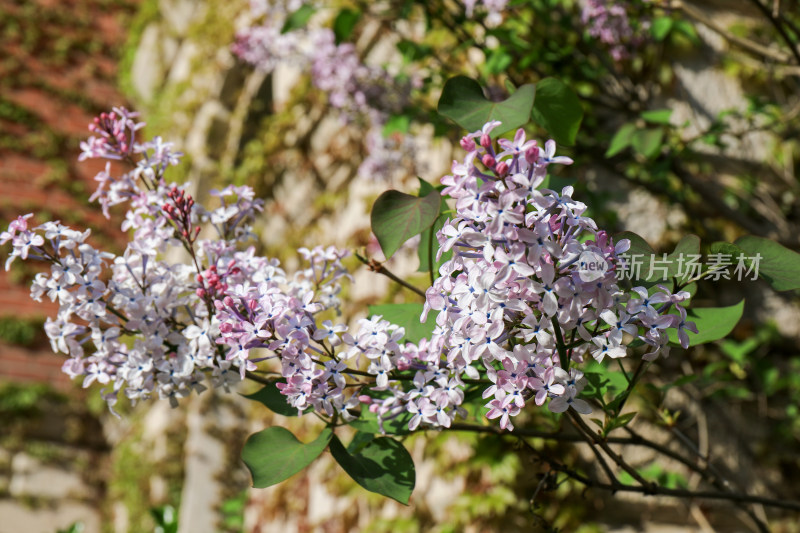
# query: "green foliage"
428,245
381,465
396,124
647,142
367,423
274,454
272,398
396,217
166,519
25,400
558,110
657,116
344,24
298,19
778,265
656,473
621,139
406,315
19,331
603,384
464,103
713,323
232,511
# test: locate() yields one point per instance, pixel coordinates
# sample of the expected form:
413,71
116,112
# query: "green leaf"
274,454
640,255
688,246
396,217
429,247
558,110
406,315
360,439
685,27
382,466
498,60
657,116
428,244
412,51
661,27
621,139
779,265
713,323
368,423
464,103
725,248
647,142
344,23
273,399
298,19
396,124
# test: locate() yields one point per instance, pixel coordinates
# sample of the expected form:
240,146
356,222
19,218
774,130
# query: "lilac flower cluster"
529,294
361,92
517,304
607,20
521,300
353,87
138,322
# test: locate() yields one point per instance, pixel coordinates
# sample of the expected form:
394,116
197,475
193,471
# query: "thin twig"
375,266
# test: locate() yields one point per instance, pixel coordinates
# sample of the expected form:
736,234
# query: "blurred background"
721,165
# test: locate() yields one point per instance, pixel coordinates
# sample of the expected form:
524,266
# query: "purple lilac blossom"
608,21
513,312
361,92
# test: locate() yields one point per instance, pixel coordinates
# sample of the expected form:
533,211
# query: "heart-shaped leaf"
713,323
558,110
382,465
464,103
396,217
274,454
779,265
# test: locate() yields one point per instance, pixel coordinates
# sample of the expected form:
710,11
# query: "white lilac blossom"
516,310
137,323
515,303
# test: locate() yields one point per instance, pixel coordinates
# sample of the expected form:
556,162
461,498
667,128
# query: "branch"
778,26
747,44
649,489
375,266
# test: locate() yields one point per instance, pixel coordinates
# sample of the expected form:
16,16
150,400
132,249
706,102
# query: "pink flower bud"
502,168
201,293
228,301
532,154
486,141
467,144
363,398
488,161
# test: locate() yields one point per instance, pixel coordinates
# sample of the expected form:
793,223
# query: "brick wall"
58,71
